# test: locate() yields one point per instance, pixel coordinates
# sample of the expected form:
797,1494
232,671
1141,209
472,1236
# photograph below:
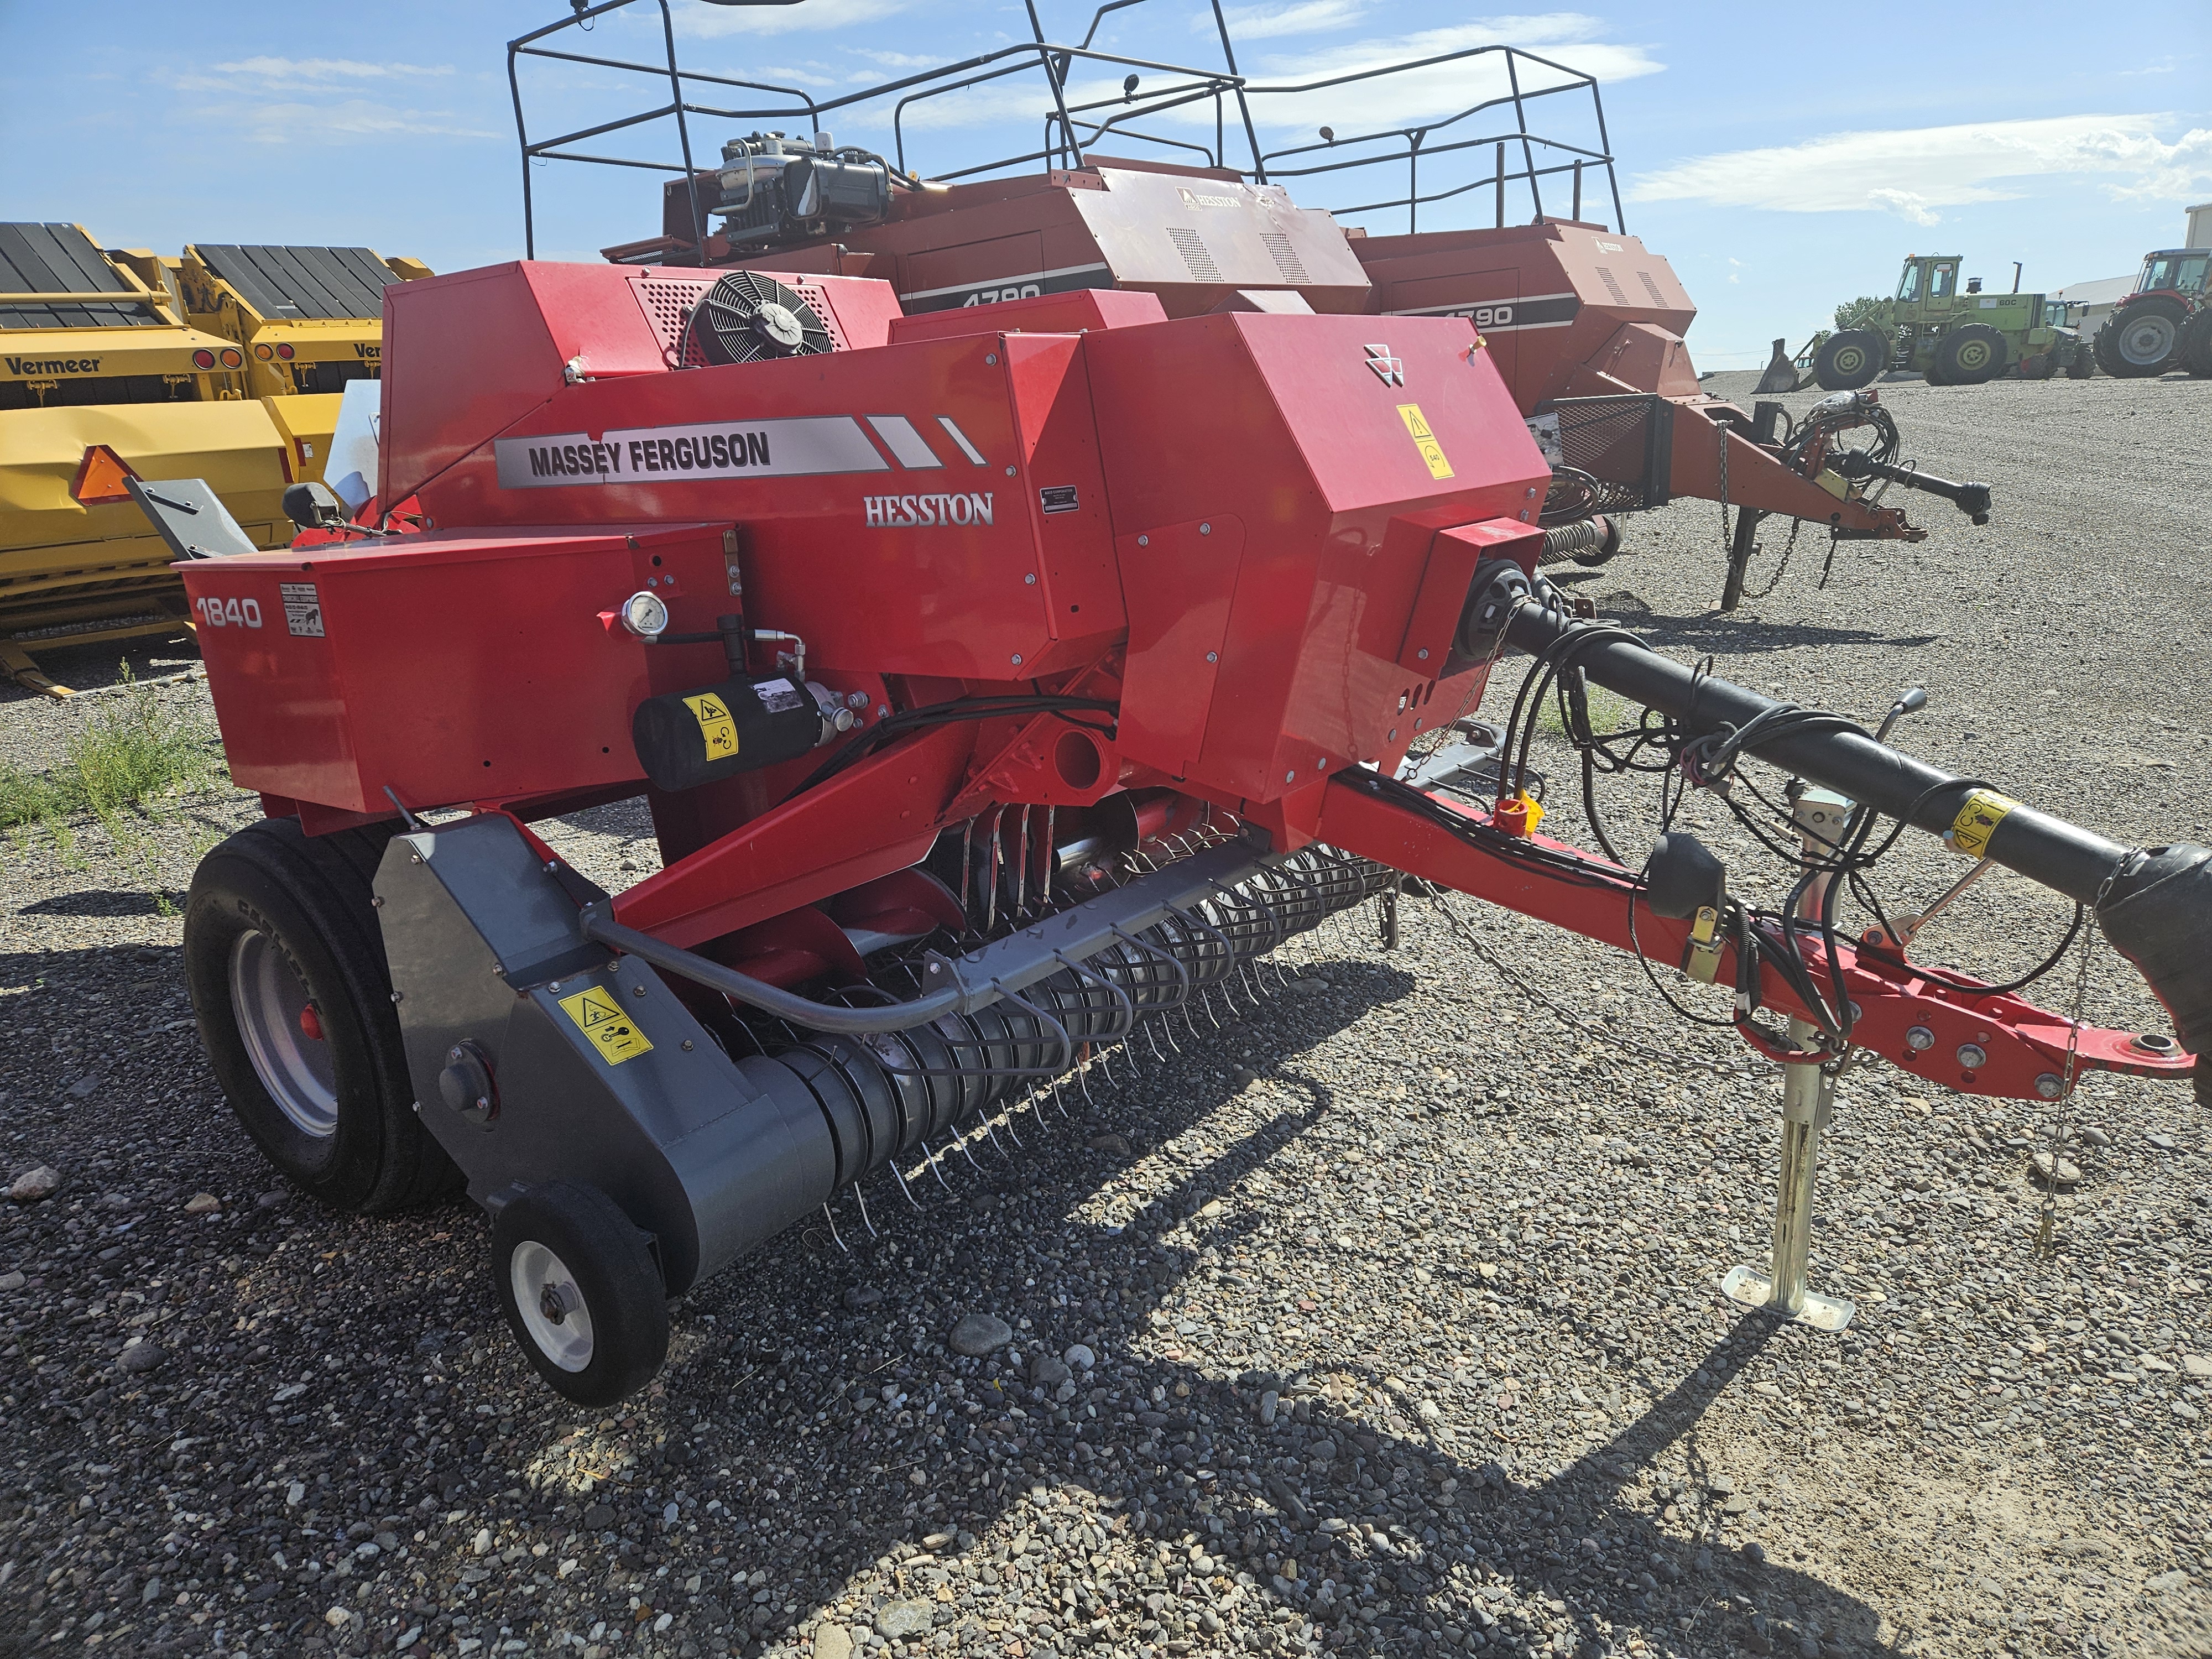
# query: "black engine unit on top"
771,189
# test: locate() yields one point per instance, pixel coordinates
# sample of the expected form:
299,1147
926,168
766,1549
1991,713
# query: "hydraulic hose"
2155,904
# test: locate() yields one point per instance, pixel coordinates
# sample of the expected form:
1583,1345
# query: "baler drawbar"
1006,686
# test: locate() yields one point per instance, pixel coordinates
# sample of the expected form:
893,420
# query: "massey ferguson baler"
1004,682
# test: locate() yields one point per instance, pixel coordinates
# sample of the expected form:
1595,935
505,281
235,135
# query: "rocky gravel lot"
1382,1321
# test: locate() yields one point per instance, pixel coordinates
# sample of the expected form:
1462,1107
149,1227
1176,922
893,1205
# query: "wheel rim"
1974,356
2148,340
1848,359
551,1304
268,998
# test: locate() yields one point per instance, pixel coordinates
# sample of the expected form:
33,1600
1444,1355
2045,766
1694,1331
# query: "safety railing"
1459,134
1078,120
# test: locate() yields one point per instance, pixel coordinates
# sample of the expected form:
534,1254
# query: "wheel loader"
1952,335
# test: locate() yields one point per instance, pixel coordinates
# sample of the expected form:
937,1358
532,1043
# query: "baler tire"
1960,365
576,1243
1859,346
274,907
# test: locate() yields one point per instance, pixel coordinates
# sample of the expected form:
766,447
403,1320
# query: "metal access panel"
448,667
1626,441
39,258
303,284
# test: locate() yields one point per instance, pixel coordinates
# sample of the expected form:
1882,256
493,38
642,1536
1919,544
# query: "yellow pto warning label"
602,1019
716,725
1977,820
1424,440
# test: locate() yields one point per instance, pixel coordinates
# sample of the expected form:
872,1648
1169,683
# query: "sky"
1781,161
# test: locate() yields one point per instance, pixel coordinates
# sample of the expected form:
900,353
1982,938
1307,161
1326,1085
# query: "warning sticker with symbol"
602,1019
1425,439
716,728
1976,821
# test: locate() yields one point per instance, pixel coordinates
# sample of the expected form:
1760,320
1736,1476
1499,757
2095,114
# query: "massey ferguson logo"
1391,371
926,512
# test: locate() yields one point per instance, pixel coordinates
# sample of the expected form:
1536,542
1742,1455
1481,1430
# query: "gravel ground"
1383,1321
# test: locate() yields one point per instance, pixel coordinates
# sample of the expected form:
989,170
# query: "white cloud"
255,74
354,118
1265,22
1913,172
700,20
262,96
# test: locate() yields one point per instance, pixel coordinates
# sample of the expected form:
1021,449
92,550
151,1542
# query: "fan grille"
732,320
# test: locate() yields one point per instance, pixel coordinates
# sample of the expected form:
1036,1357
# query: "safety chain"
1782,569
2046,1224
1726,550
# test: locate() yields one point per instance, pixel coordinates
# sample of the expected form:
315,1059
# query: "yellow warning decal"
602,1019
716,725
1977,820
1424,440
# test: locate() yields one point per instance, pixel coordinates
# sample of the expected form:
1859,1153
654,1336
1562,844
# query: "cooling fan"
745,317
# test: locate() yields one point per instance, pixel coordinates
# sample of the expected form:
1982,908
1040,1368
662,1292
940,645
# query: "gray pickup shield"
602,1076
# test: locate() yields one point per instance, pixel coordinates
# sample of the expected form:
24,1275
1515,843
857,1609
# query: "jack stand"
1824,822
1808,1094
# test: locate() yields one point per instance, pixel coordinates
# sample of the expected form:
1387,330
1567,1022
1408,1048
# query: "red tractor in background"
2166,323
1584,322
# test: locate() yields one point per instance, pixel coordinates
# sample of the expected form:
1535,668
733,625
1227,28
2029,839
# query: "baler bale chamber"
1002,683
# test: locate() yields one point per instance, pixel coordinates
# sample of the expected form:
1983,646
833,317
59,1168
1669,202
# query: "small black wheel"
2197,343
1850,360
285,964
2037,367
2140,340
2083,364
581,1291
1972,355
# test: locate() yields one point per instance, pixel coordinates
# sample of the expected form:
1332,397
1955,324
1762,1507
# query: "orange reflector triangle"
100,477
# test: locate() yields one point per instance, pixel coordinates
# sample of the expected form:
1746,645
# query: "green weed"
132,751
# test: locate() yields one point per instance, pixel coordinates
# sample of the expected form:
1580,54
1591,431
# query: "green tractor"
1954,336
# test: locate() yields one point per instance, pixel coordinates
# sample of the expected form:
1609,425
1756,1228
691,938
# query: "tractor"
1954,337
2165,324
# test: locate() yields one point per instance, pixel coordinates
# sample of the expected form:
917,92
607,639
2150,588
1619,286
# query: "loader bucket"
1781,374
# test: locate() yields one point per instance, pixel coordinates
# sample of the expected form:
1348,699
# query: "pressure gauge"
645,616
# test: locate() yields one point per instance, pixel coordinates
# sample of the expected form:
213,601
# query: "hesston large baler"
1003,683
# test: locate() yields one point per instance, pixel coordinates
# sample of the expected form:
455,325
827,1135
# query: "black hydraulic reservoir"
689,737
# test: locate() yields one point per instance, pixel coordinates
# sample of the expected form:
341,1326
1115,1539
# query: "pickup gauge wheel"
581,1292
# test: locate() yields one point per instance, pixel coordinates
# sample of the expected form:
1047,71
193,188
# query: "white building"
2087,304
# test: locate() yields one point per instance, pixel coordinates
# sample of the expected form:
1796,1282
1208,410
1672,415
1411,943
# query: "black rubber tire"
2196,343
2084,364
309,896
1971,355
2128,322
1848,361
1934,373
2037,367
611,1264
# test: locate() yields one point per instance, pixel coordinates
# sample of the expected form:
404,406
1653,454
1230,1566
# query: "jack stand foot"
1754,1288
1808,1095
